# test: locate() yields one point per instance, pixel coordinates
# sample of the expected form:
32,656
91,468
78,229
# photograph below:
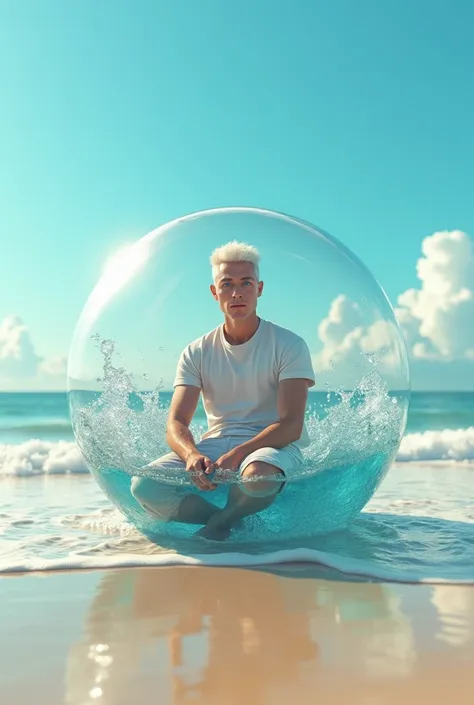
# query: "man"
254,378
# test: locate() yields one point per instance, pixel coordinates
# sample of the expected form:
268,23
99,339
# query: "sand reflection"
225,636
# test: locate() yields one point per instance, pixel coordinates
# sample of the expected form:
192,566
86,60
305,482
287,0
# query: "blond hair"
235,252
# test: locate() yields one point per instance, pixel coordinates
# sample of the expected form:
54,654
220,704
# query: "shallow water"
418,527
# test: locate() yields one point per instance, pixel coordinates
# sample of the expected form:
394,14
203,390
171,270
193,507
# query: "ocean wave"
449,445
343,565
36,457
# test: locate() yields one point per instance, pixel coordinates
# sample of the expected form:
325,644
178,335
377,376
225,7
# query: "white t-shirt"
239,383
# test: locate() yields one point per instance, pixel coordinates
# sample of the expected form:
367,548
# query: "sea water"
418,525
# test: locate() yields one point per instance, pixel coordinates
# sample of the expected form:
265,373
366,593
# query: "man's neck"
239,332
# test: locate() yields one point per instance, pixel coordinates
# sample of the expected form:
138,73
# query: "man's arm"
292,397
182,408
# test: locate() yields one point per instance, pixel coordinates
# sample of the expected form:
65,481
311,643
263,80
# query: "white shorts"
288,459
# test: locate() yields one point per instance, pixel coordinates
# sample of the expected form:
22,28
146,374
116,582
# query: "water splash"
124,427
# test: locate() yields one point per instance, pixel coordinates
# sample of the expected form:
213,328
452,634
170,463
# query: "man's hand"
231,460
200,466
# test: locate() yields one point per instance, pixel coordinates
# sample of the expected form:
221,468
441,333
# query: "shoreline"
289,568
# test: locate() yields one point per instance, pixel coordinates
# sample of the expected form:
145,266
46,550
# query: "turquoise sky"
118,116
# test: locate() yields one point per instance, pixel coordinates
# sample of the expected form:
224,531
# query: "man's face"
236,289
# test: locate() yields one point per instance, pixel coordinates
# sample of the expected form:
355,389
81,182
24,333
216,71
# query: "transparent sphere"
154,298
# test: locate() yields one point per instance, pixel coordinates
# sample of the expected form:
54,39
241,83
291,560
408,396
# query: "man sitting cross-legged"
254,377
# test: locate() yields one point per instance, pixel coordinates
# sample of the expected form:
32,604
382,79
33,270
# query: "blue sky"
118,116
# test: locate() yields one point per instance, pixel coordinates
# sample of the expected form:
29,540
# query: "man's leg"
171,503
259,494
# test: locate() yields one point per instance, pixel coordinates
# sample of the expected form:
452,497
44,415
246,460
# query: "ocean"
417,527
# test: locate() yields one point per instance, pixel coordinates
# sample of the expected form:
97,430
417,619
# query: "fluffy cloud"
437,319
19,362
17,354
348,341
54,367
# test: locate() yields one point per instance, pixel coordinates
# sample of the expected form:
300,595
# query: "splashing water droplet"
371,358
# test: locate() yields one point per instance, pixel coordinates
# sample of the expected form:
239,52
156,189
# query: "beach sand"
225,636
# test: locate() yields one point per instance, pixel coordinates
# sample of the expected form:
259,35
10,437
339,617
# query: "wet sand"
219,636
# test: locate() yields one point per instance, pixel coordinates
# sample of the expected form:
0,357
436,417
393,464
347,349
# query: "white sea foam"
35,457
344,565
448,444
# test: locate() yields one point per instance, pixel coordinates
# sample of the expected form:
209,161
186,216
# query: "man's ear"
213,291
260,288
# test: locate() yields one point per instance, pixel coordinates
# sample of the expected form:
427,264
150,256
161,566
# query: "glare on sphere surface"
153,299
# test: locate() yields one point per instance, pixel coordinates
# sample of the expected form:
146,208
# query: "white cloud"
438,318
17,353
19,362
54,366
347,340
340,331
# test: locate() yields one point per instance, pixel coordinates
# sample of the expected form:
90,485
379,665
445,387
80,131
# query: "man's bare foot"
216,529
218,533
